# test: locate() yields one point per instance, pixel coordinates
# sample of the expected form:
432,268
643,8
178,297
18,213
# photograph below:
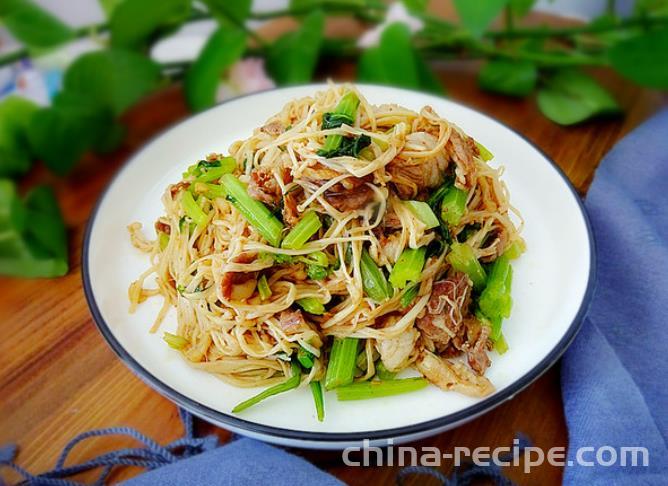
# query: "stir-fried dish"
339,245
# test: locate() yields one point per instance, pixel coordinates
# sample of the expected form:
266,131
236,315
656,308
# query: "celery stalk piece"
257,214
373,281
163,240
383,373
515,249
305,358
289,384
485,154
364,390
341,366
306,227
423,212
408,267
495,301
462,259
318,399
501,346
174,340
453,206
216,173
192,210
311,305
263,287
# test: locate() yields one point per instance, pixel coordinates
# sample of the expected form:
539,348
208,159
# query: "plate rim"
218,417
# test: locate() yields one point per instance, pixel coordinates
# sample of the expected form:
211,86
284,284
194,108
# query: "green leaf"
293,57
521,7
109,6
651,8
643,59
395,62
224,47
32,241
416,5
513,78
477,15
32,25
62,133
134,23
113,78
238,9
15,114
45,228
571,97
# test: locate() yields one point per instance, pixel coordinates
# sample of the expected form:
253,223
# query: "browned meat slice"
355,196
274,128
292,321
476,353
453,375
239,285
162,227
411,179
445,310
462,149
263,187
290,202
174,189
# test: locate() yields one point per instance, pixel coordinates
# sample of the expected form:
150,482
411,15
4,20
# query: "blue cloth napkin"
242,462
614,375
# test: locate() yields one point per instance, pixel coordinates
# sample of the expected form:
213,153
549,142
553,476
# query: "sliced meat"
453,375
274,128
445,310
461,149
417,175
264,188
292,321
476,354
290,202
394,352
174,189
162,227
355,196
239,285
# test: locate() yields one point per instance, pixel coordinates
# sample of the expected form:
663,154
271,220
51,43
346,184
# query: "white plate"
551,284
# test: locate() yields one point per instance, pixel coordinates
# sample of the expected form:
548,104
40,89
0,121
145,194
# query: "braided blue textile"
151,456
467,473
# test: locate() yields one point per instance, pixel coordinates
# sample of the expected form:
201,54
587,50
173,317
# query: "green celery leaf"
513,78
15,114
571,96
238,9
224,47
477,15
134,23
643,59
293,57
113,78
33,25
395,62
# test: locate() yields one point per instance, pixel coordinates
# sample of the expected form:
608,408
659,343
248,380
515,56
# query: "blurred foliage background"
402,43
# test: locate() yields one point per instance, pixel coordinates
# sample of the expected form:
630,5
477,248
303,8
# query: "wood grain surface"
58,377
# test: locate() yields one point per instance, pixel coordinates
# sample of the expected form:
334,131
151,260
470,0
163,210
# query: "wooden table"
58,377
